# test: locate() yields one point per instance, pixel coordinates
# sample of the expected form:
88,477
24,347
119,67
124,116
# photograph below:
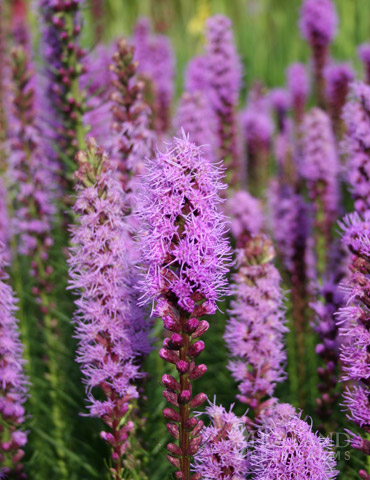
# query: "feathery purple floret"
318,21
223,453
197,75
356,144
338,79
111,329
196,119
255,330
13,382
364,54
157,64
320,166
286,448
299,88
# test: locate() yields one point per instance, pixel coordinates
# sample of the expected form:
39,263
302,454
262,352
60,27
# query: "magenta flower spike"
157,66
356,144
224,83
320,169
224,448
195,117
364,54
287,448
318,24
4,222
299,89
13,382
353,320
197,75
281,103
337,82
111,329
186,255
3,89
255,330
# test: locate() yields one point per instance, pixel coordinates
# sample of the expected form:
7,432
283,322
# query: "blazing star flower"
320,168
4,221
157,64
280,102
13,382
299,89
196,118
255,330
197,76
286,448
111,329
364,54
338,78
356,144
223,452
185,253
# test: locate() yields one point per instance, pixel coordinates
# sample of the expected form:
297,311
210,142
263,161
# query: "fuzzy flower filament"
13,382
185,254
107,319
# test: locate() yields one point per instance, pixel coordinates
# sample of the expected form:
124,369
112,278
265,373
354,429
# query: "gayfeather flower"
197,75
246,215
280,102
338,78
354,322
110,327
63,63
186,256
13,382
364,54
224,83
256,327
157,65
299,88
286,448
196,118
134,139
320,169
4,221
3,75
356,144
318,24
223,451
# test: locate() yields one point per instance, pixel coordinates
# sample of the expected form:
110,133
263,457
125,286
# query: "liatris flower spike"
254,333
223,454
286,448
186,254
318,25
107,318
299,88
356,144
364,54
13,383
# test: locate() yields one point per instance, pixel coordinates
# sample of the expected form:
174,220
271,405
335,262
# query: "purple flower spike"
13,383
223,451
364,54
197,75
4,221
281,103
186,254
318,25
338,78
255,330
157,65
287,448
356,144
111,329
320,169
225,75
196,118
353,320
299,88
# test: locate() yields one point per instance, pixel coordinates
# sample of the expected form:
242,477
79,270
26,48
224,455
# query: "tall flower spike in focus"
107,318
133,138
13,383
256,327
197,119
223,452
320,169
156,59
299,88
356,144
224,83
318,24
364,54
186,254
338,79
287,448
63,56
